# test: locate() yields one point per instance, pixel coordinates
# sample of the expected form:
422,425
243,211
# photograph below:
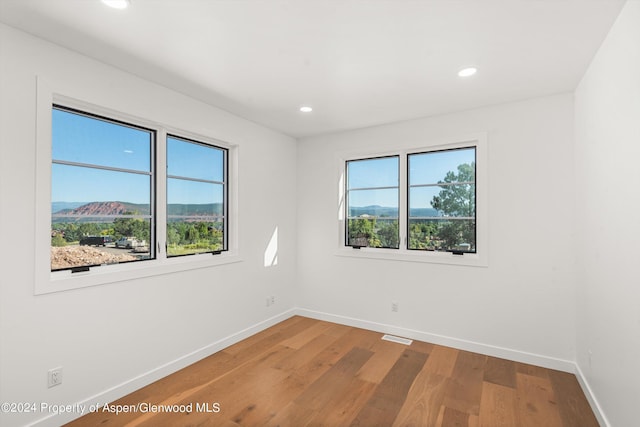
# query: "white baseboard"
147,378
490,350
588,392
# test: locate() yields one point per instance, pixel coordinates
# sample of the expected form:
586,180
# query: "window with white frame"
124,191
427,204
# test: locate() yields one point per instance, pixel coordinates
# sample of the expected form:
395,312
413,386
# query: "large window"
196,197
102,187
111,205
120,195
417,204
372,202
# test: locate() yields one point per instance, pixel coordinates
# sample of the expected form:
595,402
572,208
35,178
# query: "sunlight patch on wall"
271,253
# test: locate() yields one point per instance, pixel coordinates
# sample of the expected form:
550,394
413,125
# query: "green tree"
423,235
457,198
173,236
71,232
88,229
192,234
203,229
131,227
362,232
58,240
388,233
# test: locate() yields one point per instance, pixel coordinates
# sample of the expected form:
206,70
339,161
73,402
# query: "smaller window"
418,204
442,200
196,197
372,195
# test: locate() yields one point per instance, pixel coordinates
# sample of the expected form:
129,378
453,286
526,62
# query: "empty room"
319,213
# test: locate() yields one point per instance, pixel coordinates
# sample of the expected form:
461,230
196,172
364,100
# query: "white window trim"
47,281
478,259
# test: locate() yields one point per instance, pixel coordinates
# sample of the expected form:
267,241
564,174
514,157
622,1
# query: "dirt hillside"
71,256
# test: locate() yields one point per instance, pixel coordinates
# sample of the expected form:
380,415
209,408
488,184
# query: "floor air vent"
399,340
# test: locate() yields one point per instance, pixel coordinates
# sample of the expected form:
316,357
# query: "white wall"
108,335
607,121
522,305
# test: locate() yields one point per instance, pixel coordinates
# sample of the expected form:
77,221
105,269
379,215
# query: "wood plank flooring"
306,372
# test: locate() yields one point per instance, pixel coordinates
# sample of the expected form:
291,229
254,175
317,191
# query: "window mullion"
161,194
403,203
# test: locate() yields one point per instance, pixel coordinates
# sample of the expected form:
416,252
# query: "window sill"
65,280
471,260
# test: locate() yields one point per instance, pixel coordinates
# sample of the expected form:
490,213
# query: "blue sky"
428,168
77,138
193,161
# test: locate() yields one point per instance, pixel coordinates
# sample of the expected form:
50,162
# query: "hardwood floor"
305,372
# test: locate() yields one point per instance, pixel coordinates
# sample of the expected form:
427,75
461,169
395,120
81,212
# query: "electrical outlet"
394,306
273,299
268,301
54,377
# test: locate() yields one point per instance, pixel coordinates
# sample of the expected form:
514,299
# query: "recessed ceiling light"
306,109
117,4
467,72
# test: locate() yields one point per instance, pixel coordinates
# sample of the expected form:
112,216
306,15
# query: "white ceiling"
357,62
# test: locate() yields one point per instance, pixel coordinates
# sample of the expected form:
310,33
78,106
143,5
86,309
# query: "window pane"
101,211
93,210
373,211
186,197
127,192
83,139
457,200
196,202
442,200
83,241
373,232
421,202
195,214
442,166
379,203
373,218
443,234
188,159
187,237
370,173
